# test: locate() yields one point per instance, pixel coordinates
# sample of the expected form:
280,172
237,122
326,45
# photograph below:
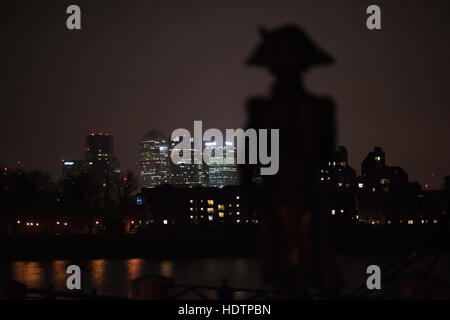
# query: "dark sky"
138,65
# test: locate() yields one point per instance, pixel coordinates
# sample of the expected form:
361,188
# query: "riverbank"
220,242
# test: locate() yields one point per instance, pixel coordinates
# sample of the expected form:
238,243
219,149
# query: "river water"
114,277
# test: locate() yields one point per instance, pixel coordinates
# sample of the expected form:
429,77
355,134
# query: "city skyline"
69,163
372,82
226,150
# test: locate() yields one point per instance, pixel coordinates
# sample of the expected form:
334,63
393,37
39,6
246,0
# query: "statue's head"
287,49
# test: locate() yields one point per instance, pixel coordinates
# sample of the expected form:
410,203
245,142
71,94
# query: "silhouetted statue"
293,229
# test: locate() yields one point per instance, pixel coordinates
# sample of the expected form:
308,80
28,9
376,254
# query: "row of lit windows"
36,224
409,221
220,214
211,218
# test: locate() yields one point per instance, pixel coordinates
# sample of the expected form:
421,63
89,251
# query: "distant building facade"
157,168
153,160
224,172
99,159
168,205
186,173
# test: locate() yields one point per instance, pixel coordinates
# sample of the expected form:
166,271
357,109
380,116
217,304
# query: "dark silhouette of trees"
27,193
34,194
90,194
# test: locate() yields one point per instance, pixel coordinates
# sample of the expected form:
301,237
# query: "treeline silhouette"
34,194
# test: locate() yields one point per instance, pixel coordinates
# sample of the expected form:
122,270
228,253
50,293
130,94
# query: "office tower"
99,154
186,173
224,172
99,159
153,160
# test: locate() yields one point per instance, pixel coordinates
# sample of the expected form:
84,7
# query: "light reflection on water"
114,277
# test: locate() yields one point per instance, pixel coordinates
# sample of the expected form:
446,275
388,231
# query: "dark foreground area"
221,242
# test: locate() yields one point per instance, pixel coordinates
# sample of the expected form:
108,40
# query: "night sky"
138,65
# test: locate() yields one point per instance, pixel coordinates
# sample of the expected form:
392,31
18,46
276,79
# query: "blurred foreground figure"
290,202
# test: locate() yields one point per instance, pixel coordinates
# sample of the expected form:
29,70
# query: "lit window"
18,221
237,205
237,197
410,222
201,209
210,210
221,207
373,189
340,184
210,218
238,213
357,217
435,221
384,181
237,221
210,202
378,158
165,221
192,217
333,212
360,185
221,214
192,209
191,201
342,210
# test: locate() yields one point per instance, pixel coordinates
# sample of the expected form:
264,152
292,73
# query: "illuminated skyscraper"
153,159
224,172
186,173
